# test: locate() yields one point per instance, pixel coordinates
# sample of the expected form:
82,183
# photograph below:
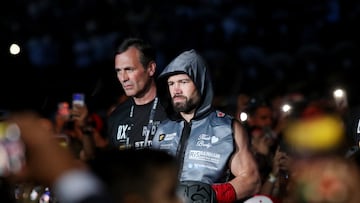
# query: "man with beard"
216,164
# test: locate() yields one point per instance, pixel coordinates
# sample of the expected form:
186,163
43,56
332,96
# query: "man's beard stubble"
186,106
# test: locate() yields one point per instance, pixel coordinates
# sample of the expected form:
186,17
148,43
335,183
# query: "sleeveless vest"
208,148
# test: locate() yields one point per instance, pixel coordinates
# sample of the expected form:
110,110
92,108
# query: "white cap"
259,199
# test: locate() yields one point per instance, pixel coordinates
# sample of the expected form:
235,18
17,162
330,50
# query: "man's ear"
151,68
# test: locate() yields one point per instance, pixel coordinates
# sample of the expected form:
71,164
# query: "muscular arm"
243,165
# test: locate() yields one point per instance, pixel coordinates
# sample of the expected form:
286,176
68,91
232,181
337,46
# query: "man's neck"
188,116
147,97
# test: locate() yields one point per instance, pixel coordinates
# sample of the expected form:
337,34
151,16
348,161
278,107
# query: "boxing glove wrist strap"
225,192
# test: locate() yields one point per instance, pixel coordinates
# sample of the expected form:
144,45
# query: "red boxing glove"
225,192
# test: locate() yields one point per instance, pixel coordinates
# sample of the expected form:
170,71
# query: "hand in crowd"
276,184
79,114
281,161
46,160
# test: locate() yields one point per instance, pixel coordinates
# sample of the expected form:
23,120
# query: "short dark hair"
147,52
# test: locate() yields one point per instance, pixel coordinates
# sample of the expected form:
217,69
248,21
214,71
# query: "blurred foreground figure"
121,176
47,163
326,180
142,175
320,172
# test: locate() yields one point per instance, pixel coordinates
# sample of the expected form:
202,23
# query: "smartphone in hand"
78,99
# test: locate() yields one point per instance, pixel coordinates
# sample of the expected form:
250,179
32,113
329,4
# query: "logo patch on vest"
214,139
161,137
220,114
167,137
204,140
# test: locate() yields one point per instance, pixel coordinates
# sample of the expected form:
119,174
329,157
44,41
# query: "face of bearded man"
185,97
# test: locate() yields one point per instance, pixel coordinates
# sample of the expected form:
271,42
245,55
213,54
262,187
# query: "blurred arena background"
267,47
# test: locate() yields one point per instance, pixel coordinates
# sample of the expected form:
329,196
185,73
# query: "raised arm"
243,166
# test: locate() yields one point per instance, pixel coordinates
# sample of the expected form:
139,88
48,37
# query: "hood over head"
191,63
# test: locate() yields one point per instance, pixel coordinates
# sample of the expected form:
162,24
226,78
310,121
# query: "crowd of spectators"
251,46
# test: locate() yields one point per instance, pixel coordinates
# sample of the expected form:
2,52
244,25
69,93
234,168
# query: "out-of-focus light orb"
14,49
286,108
243,116
320,133
338,93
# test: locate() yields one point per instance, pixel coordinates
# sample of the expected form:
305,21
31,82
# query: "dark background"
253,47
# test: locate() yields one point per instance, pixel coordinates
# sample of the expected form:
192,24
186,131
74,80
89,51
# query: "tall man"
133,123
212,147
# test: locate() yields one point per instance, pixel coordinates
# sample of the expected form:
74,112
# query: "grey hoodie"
205,144
191,63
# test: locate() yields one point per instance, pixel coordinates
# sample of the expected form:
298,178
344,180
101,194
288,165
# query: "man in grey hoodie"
212,147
